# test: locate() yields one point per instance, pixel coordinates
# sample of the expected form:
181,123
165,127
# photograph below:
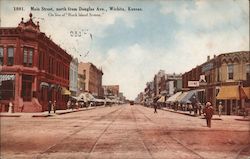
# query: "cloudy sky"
132,46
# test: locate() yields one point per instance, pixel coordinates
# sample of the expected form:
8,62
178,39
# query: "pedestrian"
68,104
155,106
195,107
54,106
49,106
220,107
208,113
238,110
199,108
77,105
11,107
190,108
72,105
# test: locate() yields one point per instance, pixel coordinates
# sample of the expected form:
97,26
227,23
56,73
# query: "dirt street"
123,132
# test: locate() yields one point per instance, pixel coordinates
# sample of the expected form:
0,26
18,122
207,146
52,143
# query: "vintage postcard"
124,79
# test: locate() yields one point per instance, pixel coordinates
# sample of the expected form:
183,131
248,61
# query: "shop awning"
161,99
45,84
156,98
180,97
6,77
174,97
247,91
232,92
65,91
85,97
189,97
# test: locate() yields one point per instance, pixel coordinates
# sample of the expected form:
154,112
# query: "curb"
61,113
242,119
42,115
47,115
6,115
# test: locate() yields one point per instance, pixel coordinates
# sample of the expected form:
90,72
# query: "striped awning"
174,97
161,99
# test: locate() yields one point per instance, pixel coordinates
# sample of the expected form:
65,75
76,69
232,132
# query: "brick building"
90,79
224,78
34,69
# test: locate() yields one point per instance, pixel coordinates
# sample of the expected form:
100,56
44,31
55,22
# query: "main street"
123,132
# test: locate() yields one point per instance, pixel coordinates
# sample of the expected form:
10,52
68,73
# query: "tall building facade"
90,79
34,70
227,71
73,77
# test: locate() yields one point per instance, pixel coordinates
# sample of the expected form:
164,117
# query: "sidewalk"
46,113
215,117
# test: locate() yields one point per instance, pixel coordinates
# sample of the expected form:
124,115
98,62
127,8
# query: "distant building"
34,70
157,80
121,97
73,77
170,84
140,98
149,93
90,79
111,90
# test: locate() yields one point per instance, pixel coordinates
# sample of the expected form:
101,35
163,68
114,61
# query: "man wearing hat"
208,113
220,107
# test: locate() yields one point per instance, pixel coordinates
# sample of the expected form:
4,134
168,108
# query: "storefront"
232,98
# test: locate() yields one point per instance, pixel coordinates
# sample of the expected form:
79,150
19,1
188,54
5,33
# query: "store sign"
207,67
202,80
7,78
193,83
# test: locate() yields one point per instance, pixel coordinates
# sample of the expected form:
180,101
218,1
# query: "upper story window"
10,56
230,70
28,56
248,72
1,55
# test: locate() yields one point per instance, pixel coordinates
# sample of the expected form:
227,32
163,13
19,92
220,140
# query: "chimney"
214,56
208,58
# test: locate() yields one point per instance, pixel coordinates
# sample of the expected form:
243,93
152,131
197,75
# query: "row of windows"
52,66
230,71
27,56
45,62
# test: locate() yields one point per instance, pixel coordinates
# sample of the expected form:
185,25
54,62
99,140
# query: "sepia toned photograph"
124,79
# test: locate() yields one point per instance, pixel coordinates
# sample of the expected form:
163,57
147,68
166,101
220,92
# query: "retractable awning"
161,99
65,91
181,96
174,97
247,91
232,92
189,97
